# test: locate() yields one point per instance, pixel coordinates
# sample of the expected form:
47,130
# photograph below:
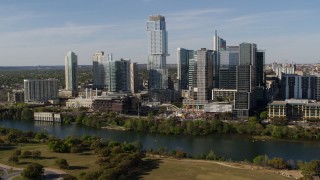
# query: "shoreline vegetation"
89,157
278,129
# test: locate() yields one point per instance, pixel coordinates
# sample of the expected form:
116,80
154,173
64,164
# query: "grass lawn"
173,169
77,162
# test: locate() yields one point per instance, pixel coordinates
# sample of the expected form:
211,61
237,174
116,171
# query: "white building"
47,116
218,107
283,68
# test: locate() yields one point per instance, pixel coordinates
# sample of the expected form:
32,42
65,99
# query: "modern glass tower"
99,70
119,74
183,58
246,79
71,66
157,52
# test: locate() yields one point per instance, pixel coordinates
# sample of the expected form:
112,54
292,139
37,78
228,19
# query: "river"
236,147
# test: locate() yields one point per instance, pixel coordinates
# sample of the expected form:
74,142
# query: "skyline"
42,32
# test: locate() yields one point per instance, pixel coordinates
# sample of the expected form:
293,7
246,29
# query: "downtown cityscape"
219,108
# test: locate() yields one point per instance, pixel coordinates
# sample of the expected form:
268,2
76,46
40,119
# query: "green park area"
155,168
78,162
175,169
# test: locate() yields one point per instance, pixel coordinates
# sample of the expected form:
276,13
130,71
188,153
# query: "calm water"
235,147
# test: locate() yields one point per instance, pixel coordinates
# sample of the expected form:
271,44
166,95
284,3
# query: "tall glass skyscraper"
99,70
157,52
183,58
71,66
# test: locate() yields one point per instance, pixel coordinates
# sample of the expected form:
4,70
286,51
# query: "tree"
180,154
27,114
277,163
309,168
260,160
264,115
33,171
62,163
36,154
17,152
13,159
26,154
253,120
212,156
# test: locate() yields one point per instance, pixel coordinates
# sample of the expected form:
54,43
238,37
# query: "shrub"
62,163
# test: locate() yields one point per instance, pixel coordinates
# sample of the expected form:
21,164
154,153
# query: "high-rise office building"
219,45
71,68
192,76
134,85
228,77
121,76
183,59
229,57
246,79
298,87
39,90
205,59
157,52
99,70
260,77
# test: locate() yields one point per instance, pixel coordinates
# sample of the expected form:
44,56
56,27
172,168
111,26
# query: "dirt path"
16,171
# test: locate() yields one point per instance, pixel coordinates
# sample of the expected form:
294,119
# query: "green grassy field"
173,169
157,169
77,162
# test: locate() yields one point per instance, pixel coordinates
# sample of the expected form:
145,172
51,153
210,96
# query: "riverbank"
221,144
172,169
115,127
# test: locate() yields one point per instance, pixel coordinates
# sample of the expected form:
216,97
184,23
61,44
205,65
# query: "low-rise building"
47,116
223,94
294,109
79,102
218,107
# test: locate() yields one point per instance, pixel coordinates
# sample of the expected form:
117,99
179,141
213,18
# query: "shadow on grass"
40,158
77,167
145,168
24,163
8,147
85,153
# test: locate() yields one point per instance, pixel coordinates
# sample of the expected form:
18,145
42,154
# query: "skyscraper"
246,79
204,76
71,68
219,45
121,76
157,52
99,70
183,58
134,85
260,79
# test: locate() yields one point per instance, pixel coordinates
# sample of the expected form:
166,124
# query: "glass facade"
99,70
71,68
157,52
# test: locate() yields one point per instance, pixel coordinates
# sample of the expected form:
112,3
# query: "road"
10,172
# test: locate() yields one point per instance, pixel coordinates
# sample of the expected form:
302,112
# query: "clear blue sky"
41,32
